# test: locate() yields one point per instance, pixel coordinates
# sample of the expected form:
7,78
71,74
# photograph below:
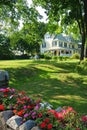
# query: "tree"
68,12
29,37
5,48
14,11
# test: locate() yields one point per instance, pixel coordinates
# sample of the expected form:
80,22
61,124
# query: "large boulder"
4,79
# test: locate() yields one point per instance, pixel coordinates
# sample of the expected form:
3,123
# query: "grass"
55,82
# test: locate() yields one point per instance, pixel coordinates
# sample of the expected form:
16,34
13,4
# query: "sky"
40,10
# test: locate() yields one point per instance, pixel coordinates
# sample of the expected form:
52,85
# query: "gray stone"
36,128
46,104
1,125
4,116
4,78
14,122
28,125
59,109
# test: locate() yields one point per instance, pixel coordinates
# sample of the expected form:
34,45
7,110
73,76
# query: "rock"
4,79
46,105
36,128
28,125
14,122
4,116
59,109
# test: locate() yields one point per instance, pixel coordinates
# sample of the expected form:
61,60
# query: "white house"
60,44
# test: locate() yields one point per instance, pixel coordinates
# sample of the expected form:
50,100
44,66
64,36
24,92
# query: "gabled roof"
65,38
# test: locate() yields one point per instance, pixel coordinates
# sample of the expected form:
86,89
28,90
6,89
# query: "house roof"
65,38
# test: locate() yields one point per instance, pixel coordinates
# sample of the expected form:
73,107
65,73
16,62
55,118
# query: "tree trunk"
86,51
82,47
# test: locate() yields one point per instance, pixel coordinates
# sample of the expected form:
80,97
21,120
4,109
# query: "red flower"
20,113
43,125
49,126
6,90
40,115
15,111
47,120
84,118
2,107
59,115
77,128
5,95
30,106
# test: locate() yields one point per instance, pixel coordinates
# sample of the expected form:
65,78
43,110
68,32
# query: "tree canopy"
68,12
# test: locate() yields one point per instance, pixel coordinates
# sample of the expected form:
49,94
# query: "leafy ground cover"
55,82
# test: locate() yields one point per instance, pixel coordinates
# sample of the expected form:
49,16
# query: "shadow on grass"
38,83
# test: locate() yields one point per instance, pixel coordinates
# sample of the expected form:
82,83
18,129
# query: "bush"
6,55
24,56
75,56
60,58
82,67
66,57
48,55
41,56
55,57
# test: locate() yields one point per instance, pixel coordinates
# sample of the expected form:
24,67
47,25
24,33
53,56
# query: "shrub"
75,56
55,57
48,55
60,58
41,56
82,67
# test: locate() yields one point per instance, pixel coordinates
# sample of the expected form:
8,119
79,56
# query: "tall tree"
68,11
14,11
29,37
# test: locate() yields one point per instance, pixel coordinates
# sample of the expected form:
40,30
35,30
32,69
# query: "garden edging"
9,121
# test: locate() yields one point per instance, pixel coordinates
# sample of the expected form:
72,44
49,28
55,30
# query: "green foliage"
5,48
29,38
41,56
70,13
60,58
48,55
55,57
75,56
55,82
82,67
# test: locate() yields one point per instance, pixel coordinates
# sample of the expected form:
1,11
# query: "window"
65,44
54,43
73,46
69,45
44,45
60,44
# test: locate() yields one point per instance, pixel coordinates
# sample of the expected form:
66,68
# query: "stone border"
9,121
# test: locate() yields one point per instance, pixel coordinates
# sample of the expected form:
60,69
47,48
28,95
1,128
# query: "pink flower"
84,118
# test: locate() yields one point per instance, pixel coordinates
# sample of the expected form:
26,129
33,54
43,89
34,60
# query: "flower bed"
45,117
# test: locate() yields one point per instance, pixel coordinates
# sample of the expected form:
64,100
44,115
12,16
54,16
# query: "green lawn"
55,82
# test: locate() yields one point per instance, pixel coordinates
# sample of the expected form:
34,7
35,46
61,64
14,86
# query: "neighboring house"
60,44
